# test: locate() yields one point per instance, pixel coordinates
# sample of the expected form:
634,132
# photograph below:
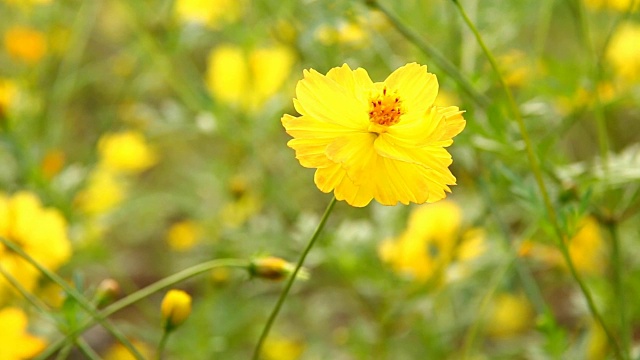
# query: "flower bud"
175,308
273,268
107,291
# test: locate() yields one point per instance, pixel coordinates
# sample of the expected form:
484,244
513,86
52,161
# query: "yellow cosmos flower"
15,342
40,232
25,44
126,152
247,80
348,33
510,315
383,141
212,13
183,235
587,249
103,192
428,246
623,52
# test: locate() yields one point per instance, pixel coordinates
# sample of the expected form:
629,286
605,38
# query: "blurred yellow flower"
104,191
126,152
247,80
619,5
52,163
40,232
175,308
25,44
277,347
517,70
586,247
369,140
623,52
427,245
183,235
15,342
346,32
212,13
8,92
119,352
509,315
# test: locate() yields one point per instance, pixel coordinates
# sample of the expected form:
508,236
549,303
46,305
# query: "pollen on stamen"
385,111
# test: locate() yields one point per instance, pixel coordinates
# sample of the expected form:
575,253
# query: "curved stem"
73,293
535,167
143,293
292,278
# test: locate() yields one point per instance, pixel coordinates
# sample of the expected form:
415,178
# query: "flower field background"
143,153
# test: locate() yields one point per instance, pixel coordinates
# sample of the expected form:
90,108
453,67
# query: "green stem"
33,300
88,352
163,343
143,293
531,288
292,278
601,126
176,76
482,310
617,263
73,293
440,60
535,167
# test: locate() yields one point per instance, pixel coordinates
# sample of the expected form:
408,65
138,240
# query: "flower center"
384,110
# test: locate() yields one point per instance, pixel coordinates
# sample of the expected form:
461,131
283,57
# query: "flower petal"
329,177
325,100
358,81
432,157
308,127
354,152
417,129
417,87
454,122
355,195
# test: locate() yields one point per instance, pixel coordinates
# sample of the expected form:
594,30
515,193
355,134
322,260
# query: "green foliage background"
134,65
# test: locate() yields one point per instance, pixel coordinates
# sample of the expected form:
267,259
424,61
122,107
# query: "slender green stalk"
617,264
535,167
531,288
162,344
67,74
33,300
73,293
429,50
174,75
88,352
43,308
482,309
144,293
596,74
292,278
